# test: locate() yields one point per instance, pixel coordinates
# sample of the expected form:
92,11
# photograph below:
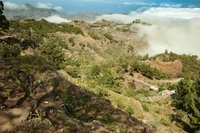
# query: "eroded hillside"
85,77
36,97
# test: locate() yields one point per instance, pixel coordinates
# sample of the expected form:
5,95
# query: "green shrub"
187,99
165,121
148,71
4,24
52,50
107,80
94,35
73,72
43,27
120,104
129,110
5,94
71,40
95,71
7,51
108,36
129,92
71,29
191,63
145,106
30,63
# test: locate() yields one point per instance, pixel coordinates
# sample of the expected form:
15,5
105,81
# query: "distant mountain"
31,12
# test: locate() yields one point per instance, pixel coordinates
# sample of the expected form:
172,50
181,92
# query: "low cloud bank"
174,29
44,5
13,6
56,19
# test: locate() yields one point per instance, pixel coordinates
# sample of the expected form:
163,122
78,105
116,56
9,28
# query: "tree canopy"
187,99
4,24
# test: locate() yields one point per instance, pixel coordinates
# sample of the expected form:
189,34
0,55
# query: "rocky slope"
83,77
40,100
36,97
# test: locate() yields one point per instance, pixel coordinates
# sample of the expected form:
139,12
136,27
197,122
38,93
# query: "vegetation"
39,28
108,36
187,100
129,110
52,50
71,40
104,78
7,51
4,24
94,35
191,63
148,71
100,71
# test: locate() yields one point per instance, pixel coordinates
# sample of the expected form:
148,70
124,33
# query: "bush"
7,51
30,63
148,71
108,36
71,40
52,50
191,63
129,92
187,99
129,110
95,71
145,106
43,27
94,35
4,24
107,80
73,72
120,104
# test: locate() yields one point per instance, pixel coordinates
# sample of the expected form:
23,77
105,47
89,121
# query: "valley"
89,77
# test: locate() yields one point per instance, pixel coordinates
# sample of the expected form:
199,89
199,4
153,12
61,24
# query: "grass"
43,27
103,78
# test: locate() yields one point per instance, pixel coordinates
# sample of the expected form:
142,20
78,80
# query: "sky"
108,6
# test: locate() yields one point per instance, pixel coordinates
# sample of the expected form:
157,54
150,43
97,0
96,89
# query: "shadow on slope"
35,98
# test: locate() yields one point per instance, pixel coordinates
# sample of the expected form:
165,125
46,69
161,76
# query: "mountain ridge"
31,12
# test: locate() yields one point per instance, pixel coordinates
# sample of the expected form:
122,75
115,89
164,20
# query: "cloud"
12,6
127,3
139,3
59,8
99,1
170,5
170,13
44,5
48,6
174,29
56,19
182,38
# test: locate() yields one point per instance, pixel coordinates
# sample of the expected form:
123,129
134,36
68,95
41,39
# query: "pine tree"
187,99
4,24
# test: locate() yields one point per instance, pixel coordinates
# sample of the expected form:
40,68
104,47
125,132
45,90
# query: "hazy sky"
109,6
